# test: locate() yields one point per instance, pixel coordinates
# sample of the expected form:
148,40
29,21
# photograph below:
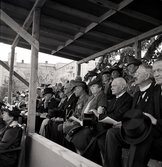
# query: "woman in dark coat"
10,137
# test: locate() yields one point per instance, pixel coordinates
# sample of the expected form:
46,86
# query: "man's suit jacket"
118,107
69,107
155,109
144,103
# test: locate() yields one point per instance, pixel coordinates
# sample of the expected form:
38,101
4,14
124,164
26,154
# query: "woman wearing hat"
2,123
95,101
10,137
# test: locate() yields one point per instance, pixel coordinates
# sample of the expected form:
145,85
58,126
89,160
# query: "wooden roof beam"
67,56
105,36
143,36
111,5
14,73
140,16
91,43
10,22
70,54
55,33
93,24
29,19
62,23
50,41
121,28
72,11
106,4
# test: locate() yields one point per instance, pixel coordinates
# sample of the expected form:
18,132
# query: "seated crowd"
110,112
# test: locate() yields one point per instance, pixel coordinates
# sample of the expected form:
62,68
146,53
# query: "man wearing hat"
50,104
90,75
51,131
116,71
106,80
95,101
79,89
2,123
132,67
141,100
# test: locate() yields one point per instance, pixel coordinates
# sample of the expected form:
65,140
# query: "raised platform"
42,152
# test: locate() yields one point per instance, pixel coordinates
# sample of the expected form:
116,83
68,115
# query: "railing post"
11,72
33,73
137,47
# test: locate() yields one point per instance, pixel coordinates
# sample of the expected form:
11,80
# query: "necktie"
140,97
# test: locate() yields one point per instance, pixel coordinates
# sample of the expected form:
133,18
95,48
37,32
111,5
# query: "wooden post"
137,47
10,84
33,74
78,69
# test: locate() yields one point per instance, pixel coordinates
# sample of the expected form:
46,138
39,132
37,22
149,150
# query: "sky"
25,54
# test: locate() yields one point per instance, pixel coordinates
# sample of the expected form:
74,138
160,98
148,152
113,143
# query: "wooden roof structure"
80,30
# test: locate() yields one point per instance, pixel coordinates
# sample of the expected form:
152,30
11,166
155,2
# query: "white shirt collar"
120,94
145,88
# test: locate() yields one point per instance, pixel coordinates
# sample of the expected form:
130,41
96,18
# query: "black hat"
106,71
13,110
77,83
1,103
115,68
132,60
92,74
95,80
48,90
135,126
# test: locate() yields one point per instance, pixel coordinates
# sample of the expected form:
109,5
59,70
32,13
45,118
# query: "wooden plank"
90,43
105,3
140,16
34,73
11,75
78,69
137,48
28,20
106,37
72,11
15,73
92,25
62,23
143,36
121,28
10,22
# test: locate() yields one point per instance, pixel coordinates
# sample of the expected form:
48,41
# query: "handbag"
67,126
69,136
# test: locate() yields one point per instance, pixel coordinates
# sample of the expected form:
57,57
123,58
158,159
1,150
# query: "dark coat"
51,131
68,107
155,109
9,139
151,147
116,110
143,104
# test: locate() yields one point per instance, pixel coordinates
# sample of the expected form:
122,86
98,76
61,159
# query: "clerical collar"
145,88
120,95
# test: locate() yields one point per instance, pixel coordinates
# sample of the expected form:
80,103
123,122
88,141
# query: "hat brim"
136,64
48,93
116,69
75,85
142,137
98,82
